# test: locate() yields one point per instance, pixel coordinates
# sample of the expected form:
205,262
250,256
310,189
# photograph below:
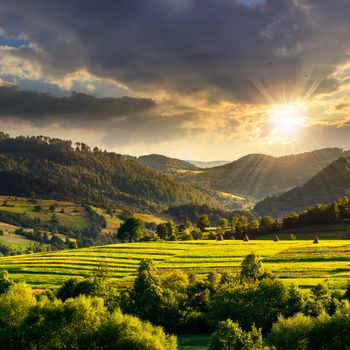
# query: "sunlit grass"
300,262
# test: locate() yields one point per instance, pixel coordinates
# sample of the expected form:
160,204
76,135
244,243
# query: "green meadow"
299,261
67,213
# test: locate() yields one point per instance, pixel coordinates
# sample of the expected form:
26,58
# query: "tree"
5,282
251,268
54,219
257,303
223,224
203,222
166,230
131,230
162,231
15,304
197,234
147,293
267,224
291,333
230,336
171,228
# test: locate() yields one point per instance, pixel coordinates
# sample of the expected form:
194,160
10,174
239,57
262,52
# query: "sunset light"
286,119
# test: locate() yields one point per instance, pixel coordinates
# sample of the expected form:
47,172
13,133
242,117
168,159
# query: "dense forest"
43,167
165,164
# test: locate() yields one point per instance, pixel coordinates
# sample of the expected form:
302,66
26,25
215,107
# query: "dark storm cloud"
42,108
122,120
185,45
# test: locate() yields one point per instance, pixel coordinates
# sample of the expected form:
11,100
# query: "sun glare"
286,119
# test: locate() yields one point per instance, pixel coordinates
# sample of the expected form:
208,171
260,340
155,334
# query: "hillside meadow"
298,261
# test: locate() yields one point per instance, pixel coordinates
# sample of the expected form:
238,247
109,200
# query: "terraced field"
301,262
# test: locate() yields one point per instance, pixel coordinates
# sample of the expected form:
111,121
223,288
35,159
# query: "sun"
286,119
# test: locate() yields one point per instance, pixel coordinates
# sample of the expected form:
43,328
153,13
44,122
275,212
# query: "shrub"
230,336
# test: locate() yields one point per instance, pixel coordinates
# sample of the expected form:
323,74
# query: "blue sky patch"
13,42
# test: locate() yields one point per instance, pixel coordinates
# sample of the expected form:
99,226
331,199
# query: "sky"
191,79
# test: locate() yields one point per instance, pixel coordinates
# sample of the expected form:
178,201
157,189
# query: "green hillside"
328,185
42,167
165,164
260,175
298,261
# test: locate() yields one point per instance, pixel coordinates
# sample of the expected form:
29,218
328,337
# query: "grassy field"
114,221
301,262
193,342
16,242
68,214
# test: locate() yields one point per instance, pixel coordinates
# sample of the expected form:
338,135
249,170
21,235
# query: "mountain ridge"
326,186
261,175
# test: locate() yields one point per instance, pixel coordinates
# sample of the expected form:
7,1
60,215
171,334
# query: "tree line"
233,227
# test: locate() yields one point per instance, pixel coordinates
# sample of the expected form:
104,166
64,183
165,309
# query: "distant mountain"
165,164
43,167
328,185
212,164
260,175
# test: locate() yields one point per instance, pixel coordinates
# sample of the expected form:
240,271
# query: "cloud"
189,65
116,121
45,108
184,46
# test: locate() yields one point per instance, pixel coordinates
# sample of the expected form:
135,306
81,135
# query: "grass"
300,262
16,242
68,214
114,221
158,219
193,342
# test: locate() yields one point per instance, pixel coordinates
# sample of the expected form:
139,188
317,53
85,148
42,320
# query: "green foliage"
5,281
223,223
250,303
229,336
252,269
147,293
15,304
308,333
166,230
192,212
96,283
129,333
80,323
131,230
50,168
291,333
203,222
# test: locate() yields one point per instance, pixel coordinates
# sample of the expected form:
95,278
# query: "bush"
257,303
304,332
186,236
80,323
197,234
230,336
291,333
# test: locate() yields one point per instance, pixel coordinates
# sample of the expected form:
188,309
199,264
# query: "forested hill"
165,164
260,175
328,185
43,167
